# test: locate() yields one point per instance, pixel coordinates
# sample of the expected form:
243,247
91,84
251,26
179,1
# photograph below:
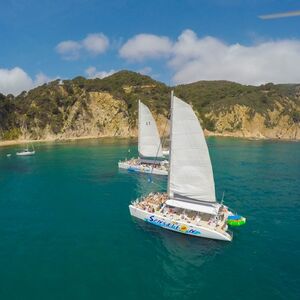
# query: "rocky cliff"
108,107
240,121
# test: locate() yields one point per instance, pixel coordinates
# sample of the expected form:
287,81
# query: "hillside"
108,107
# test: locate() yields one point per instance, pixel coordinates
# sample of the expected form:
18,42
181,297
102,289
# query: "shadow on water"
183,258
180,247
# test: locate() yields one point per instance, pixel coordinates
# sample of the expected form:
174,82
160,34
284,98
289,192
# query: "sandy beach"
207,134
20,142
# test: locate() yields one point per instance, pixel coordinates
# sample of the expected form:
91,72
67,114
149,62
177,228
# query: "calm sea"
66,232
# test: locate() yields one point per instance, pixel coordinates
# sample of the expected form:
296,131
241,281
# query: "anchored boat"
190,205
26,152
151,159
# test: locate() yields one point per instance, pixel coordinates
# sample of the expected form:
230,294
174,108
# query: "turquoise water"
66,232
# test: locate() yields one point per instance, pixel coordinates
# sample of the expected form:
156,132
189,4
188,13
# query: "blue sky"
31,31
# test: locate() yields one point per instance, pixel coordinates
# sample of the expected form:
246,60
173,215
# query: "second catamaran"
151,159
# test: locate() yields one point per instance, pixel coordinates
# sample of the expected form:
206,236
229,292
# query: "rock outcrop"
108,107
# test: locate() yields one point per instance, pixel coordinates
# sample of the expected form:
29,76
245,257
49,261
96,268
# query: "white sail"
190,176
149,144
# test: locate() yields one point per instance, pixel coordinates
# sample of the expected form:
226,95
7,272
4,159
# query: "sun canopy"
207,209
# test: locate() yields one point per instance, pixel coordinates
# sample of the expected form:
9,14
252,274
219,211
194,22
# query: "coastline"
7,143
248,137
22,142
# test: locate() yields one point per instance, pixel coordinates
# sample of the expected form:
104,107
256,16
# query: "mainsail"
190,176
149,145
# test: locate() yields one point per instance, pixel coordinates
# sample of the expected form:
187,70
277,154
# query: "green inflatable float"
236,220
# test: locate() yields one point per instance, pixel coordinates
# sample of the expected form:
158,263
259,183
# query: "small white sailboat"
26,152
190,205
151,159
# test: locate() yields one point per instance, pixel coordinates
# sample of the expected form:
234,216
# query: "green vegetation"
49,106
131,87
296,116
7,113
206,96
11,134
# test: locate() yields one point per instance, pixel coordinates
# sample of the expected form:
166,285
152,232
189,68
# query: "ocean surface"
66,231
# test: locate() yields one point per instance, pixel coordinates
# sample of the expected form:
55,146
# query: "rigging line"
163,135
149,178
160,184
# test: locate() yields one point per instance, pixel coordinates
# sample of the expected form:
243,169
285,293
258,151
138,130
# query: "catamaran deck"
155,203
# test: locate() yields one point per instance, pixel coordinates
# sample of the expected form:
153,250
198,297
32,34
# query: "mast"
139,126
170,148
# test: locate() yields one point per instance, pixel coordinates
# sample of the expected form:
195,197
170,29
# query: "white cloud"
92,73
145,70
96,43
68,49
144,46
14,81
93,44
193,58
41,78
208,58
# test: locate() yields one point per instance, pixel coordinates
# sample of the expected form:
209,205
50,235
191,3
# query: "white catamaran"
151,159
190,206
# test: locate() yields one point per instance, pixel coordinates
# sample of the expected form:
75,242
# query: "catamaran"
26,152
151,159
190,205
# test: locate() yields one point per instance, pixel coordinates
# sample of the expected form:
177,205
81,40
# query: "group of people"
153,202
133,162
137,162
